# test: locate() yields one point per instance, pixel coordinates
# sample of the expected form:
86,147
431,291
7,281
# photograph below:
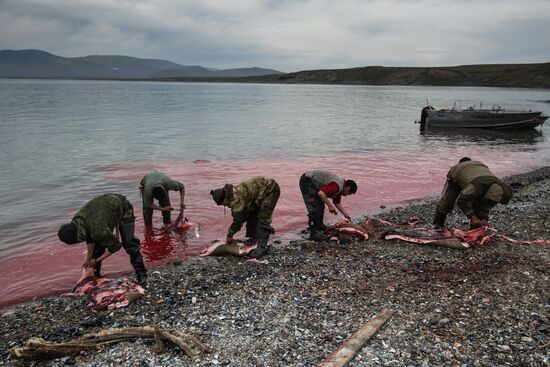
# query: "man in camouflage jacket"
253,202
94,224
474,189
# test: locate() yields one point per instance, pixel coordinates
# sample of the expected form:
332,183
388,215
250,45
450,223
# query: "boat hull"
488,119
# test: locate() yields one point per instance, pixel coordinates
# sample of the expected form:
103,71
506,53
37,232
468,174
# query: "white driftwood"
349,349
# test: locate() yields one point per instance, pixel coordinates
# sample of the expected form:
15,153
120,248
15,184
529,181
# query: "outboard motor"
423,116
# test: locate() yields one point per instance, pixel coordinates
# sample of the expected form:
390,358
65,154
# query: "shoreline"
483,306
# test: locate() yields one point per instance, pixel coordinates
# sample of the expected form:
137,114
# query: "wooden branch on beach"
36,348
349,349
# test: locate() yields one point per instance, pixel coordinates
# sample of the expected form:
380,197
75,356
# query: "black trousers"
315,206
130,243
163,200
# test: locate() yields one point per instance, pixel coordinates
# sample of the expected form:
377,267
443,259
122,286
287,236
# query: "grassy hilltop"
503,75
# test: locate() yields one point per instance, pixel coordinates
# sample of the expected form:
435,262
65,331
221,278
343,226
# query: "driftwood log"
349,349
38,348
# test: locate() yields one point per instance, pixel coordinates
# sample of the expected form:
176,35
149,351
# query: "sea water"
64,142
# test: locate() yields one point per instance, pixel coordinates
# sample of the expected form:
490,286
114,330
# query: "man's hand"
182,205
348,218
332,209
90,264
229,240
475,222
167,209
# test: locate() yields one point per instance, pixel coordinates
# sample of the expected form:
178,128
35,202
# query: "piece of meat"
106,293
175,224
454,238
220,248
188,230
349,228
379,228
479,236
183,227
354,231
524,242
256,261
447,242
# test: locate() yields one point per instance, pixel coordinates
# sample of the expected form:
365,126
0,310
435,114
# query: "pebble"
503,348
9,313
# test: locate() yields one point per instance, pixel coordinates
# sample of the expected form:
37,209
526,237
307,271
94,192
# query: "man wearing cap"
94,224
155,185
317,188
253,202
474,189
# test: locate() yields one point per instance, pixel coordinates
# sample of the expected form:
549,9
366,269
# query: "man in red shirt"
317,188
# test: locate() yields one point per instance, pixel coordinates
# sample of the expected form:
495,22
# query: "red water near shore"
387,178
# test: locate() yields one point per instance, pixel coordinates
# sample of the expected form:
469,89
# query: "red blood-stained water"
384,179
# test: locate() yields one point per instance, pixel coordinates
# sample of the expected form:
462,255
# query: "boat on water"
472,118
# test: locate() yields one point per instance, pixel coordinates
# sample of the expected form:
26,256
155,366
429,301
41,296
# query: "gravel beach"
485,306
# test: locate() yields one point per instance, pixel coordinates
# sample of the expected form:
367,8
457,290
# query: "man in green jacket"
94,224
253,202
155,185
474,189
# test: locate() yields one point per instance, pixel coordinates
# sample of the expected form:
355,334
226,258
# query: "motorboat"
493,118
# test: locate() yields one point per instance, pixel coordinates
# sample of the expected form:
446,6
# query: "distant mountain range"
41,64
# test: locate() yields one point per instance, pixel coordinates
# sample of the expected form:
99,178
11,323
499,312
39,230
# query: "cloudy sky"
287,35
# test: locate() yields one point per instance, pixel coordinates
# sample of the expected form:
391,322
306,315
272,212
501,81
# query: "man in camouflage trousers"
474,189
253,202
94,224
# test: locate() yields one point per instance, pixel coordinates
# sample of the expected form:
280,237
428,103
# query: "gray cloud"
285,35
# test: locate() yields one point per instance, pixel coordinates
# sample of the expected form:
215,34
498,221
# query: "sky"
285,35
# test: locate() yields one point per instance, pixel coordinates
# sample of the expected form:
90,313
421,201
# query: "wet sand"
483,306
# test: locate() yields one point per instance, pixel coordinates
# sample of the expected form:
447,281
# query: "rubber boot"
97,271
132,246
317,235
98,251
250,241
137,262
261,250
439,219
141,278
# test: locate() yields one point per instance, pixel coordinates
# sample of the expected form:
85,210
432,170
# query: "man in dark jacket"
253,202
317,188
94,224
155,185
474,189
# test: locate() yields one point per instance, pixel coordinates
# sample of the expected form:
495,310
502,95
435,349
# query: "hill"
498,75
41,64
